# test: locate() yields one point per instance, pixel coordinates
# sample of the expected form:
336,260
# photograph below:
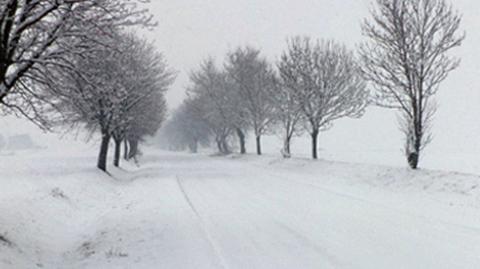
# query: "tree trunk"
286,147
413,159
125,149
219,146
413,155
116,159
414,144
102,156
194,147
226,148
259,145
133,149
314,135
241,139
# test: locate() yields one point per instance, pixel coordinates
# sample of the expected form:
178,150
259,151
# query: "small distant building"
18,142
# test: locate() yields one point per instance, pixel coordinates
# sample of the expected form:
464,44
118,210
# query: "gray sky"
191,30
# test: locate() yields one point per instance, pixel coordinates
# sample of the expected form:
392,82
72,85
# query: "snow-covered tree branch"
253,79
324,78
38,35
118,92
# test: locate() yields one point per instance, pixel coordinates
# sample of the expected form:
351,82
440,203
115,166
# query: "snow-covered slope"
185,211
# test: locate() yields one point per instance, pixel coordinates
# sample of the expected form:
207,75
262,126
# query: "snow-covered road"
184,211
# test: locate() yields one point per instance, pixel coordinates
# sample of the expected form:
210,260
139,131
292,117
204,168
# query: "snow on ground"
198,211
391,153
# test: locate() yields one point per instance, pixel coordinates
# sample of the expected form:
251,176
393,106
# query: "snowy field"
185,211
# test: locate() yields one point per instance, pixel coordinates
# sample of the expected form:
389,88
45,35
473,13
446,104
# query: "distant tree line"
400,65
312,85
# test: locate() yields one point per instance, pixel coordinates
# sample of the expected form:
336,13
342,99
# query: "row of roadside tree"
400,65
75,63
313,84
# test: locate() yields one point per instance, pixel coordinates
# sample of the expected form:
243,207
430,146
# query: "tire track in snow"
215,247
332,260
255,209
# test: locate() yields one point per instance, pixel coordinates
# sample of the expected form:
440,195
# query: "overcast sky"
190,30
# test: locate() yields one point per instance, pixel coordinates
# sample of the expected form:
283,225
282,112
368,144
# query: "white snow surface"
198,211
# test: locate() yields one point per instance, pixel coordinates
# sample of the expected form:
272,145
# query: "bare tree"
118,92
236,113
406,59
148,117
187,129
92,97
253,77
146,77
325,80
36,36
288,113
209,96
216,122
